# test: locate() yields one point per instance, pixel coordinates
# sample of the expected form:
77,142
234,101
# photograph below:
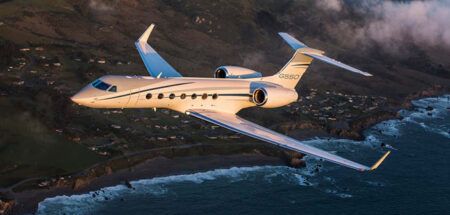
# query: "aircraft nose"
76,98
82,98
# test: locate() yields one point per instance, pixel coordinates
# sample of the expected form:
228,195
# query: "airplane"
216,100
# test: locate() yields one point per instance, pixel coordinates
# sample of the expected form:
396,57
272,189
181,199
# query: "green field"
30,149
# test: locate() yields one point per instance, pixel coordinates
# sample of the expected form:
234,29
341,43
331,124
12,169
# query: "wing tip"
378,163
144,37
366,74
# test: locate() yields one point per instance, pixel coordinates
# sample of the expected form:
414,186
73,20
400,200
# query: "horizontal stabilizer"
317,54
336,63
294,43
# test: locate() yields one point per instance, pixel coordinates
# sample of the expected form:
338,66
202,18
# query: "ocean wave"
440,102
375,183
338,194
430,128
389,127
86,203
302,180
158,186
433,107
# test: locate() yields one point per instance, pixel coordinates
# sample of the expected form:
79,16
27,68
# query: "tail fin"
293,71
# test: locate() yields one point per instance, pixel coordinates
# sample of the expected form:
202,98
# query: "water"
415,179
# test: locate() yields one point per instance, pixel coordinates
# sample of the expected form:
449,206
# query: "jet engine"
235,72
274,97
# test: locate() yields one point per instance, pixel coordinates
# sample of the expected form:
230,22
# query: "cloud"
423,22
252,60
101,5
333,5
394,24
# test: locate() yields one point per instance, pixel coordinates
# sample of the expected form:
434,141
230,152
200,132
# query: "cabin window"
112,89
148,96
160,96
194,96
214,96
204,96
172,96
183,96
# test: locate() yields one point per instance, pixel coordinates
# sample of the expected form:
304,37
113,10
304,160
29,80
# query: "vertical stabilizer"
293,71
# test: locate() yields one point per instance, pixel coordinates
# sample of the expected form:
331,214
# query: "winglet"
144,37
380,161
153,62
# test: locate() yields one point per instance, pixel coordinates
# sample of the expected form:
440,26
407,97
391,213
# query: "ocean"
414,179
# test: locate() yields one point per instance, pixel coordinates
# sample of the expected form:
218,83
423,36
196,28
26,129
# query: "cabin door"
134,97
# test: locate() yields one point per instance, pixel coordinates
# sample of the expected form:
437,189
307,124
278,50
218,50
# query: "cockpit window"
96,82
101,85
112,89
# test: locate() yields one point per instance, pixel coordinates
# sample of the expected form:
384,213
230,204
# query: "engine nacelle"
274,97
235,72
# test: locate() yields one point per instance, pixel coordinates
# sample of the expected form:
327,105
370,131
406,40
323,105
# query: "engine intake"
220,73
236,72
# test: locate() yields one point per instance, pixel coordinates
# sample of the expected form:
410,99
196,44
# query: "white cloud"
393,24
101,5
422,22
333,5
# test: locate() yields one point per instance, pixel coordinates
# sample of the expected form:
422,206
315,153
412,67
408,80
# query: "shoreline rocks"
7,203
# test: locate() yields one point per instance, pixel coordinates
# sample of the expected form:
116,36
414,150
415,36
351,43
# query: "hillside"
52,48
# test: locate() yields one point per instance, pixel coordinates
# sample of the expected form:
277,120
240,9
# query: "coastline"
27,200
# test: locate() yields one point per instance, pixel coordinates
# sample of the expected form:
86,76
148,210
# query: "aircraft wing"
155,64
237,124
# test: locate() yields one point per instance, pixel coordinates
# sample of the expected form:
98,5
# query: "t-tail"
293,71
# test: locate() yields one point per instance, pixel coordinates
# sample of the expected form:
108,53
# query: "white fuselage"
180,94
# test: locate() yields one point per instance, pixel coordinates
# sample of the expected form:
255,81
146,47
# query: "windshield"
100,85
